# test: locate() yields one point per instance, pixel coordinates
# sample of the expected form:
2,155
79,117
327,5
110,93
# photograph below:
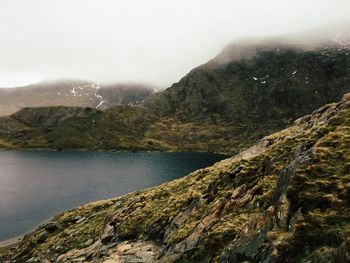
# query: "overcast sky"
151,41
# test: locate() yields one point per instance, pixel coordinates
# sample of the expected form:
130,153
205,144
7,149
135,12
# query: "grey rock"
51,227
81,220
107,235
42,237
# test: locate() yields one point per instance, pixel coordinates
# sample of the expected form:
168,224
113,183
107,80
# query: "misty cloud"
153,41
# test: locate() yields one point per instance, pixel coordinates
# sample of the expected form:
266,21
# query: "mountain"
250,89
260,93
285,199
71,93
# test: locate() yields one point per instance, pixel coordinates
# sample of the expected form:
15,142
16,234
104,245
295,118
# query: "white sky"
152,41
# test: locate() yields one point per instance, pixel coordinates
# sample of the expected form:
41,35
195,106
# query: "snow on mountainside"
71,93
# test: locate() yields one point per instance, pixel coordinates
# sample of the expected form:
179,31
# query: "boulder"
346,97
42,237
51,227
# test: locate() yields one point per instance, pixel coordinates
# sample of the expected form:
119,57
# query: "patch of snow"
73,92
100,104
95,86
295,72
255,78
263,82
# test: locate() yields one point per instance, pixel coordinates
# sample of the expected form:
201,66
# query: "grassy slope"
288,202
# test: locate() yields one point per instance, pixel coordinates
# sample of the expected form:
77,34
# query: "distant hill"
71,93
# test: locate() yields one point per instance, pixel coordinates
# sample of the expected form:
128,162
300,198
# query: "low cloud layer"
154,41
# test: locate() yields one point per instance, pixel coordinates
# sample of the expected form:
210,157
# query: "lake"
35,185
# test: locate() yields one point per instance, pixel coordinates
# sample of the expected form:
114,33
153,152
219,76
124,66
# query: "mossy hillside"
78,128
73,234
121,128
283,201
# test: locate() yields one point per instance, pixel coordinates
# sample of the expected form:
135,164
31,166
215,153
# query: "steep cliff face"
285,199
253,96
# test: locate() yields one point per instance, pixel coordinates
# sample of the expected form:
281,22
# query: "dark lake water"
35,185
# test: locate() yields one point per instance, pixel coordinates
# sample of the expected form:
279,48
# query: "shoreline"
116,150
14,241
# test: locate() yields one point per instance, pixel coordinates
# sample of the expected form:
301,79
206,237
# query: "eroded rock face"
124,252
285,198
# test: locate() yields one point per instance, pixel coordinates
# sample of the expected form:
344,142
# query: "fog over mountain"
153,42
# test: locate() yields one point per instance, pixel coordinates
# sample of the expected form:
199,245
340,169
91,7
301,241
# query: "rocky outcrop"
285,199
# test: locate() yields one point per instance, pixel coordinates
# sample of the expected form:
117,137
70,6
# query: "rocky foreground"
286,199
